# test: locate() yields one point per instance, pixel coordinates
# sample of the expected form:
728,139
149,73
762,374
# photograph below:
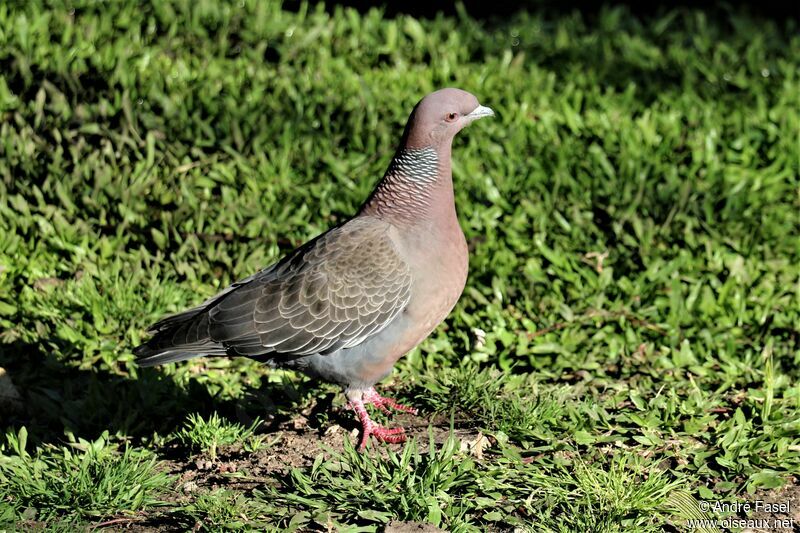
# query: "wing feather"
334,292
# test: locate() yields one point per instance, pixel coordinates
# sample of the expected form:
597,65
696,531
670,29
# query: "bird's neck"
417,187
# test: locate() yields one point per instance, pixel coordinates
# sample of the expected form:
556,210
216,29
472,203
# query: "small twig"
112,522
598,257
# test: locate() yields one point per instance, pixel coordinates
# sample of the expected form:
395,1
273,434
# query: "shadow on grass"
59,397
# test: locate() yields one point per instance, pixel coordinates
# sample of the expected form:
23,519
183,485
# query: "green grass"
630,330
204,435
79,481
448,488
224,510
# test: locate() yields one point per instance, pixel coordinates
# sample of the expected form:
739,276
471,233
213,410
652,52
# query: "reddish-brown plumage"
347,305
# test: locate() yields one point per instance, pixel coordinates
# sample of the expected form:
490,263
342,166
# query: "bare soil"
785,505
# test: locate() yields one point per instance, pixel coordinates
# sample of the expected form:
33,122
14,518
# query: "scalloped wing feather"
335,292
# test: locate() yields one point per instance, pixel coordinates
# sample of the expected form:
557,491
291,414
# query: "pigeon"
347,305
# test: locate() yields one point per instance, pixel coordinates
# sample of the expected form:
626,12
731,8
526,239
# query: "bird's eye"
451,117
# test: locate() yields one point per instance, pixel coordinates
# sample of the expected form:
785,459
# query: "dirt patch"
395,526
780,506
296,445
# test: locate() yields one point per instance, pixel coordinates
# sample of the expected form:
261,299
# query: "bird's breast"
439,269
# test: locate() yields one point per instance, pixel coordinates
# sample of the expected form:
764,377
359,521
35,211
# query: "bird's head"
440,115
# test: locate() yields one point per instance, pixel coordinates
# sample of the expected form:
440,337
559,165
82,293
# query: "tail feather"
185,335
178,338
147,356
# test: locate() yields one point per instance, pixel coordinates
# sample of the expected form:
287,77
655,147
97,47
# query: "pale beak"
480,112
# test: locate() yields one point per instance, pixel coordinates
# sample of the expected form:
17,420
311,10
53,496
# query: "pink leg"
381,402
370,396
368,427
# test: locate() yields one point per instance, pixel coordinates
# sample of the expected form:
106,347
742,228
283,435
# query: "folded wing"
334,292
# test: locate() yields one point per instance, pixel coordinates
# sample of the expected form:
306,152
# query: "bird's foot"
382,434
370,428
371,396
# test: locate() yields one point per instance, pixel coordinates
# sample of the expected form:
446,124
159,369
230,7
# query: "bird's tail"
150,356
178,338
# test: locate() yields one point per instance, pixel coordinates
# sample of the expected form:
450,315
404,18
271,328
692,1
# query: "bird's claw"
382,402
390,435
368,427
